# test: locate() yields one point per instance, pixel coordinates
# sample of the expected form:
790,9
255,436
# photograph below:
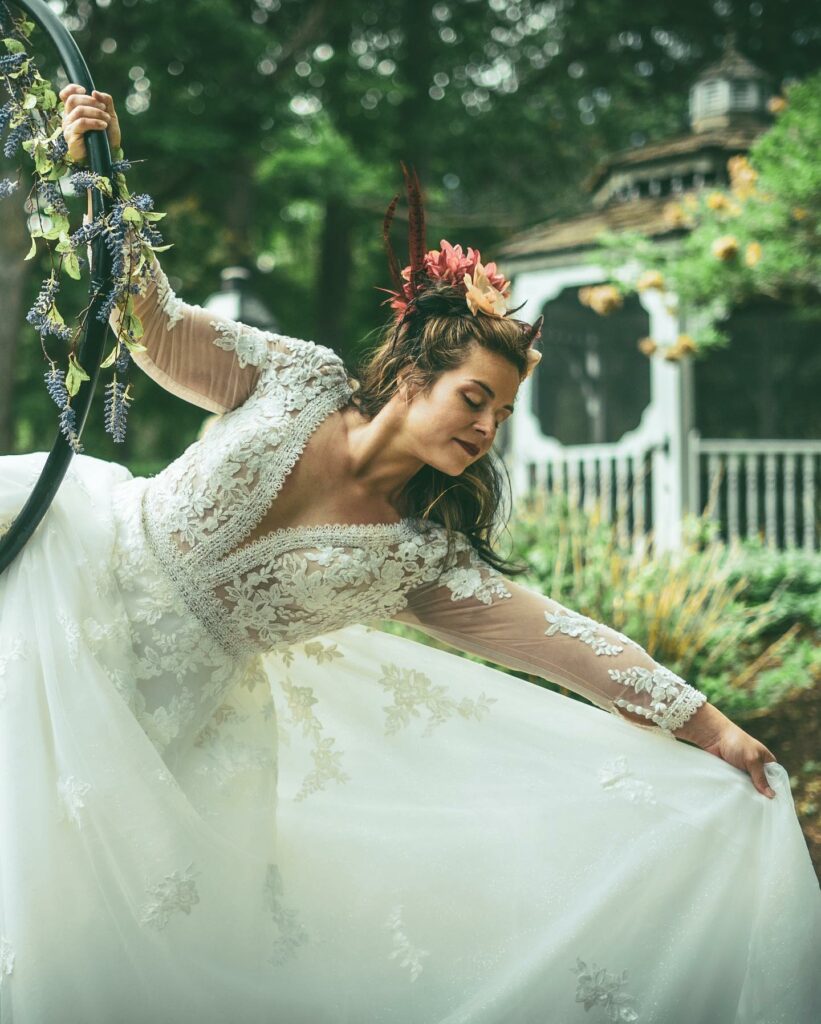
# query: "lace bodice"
295,583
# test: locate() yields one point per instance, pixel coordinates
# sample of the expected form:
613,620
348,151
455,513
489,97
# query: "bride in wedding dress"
228,795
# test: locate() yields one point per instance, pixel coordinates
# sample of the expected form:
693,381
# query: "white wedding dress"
228,795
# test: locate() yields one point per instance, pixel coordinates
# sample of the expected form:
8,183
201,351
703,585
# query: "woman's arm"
211,362
476,609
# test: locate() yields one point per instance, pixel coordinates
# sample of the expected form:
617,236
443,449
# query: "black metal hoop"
93,340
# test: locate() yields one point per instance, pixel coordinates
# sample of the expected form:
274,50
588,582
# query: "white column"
671,398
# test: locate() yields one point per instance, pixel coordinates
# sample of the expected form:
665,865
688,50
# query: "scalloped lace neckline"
379,529
281,538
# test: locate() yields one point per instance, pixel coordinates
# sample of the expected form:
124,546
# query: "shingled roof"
736,140
581,232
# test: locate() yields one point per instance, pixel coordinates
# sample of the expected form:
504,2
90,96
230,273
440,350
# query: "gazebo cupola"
732,93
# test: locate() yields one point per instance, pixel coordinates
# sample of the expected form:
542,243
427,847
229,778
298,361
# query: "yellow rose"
725,248
647,346
743,176
776,104
605,299
752,254
685,343
650,279
717,201
674,215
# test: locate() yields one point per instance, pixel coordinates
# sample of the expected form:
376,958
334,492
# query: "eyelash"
475,405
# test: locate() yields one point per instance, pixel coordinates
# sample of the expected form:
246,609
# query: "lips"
471,449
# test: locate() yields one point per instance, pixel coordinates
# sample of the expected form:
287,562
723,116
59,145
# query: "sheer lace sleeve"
206,360
476,609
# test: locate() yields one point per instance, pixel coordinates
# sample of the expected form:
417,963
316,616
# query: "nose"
486,427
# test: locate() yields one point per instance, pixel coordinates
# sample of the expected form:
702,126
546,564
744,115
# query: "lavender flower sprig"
30,120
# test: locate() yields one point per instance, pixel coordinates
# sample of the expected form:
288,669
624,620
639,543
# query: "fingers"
755,767
73,95
108,102
67,90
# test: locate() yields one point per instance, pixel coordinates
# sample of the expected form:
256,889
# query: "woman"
227,795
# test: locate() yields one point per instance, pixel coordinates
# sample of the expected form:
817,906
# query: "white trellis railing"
615,477
766,488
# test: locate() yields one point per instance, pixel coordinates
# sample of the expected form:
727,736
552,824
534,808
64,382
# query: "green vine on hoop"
31,121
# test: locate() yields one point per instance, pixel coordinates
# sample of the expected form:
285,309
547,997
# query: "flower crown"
485,289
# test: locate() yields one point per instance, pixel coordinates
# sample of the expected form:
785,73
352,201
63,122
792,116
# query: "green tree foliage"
759,237
273,131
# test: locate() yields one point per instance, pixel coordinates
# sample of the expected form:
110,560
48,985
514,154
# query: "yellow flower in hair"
481,294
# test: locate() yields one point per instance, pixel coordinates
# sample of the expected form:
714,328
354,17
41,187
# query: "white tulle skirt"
427,841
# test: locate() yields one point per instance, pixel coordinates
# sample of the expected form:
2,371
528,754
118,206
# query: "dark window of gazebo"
766,382
593,383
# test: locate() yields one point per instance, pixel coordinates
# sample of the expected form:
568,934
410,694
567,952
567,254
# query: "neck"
380,457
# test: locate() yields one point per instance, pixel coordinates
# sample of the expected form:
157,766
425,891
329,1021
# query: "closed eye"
478,405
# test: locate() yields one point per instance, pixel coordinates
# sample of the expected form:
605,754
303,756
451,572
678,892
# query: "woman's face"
463,411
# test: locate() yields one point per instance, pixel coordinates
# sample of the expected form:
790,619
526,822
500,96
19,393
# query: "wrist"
702,727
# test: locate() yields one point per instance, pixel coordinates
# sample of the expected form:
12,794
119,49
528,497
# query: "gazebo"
599,420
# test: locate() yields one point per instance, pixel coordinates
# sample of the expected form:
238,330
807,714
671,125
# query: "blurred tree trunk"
333,284
13,274
333,267
416,110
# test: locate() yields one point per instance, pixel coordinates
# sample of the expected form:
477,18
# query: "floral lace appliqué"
173,307
249,344
6,958
600,988
673,700
174,893
15,651
414,692
73,635
469,582
615,775
327,767
584,629
292,934
72,791
409,956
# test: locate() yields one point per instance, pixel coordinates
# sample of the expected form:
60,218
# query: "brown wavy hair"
435,336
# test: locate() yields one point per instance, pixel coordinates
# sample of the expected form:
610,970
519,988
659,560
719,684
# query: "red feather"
393,262
416,225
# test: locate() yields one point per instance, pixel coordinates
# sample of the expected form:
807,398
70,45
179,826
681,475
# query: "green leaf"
154,215
14,46
42,163
33,250
135,346
75,376
162,248
49,100
134,327
30,102
132,216
109,359
71,264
